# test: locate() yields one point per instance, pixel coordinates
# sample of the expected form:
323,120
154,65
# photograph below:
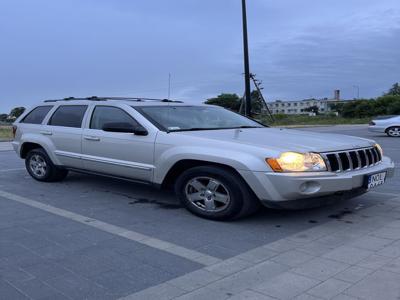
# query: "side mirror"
125,128
140,130
118,127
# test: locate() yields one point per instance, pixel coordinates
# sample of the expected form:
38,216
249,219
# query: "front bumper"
282,187
377,128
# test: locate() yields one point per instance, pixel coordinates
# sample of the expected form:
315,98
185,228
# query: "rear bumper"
282,187
16,146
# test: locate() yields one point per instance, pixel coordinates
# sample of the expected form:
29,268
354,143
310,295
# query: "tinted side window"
68,116
37,115
108,114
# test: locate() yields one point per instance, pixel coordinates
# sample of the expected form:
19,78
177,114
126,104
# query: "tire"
40,167
215,193
393,131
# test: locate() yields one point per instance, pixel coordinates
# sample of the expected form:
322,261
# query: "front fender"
391,125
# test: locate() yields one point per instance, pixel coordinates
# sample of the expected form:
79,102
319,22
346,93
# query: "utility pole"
246,61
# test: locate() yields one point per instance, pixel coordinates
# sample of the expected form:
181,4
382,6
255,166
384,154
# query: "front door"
117,153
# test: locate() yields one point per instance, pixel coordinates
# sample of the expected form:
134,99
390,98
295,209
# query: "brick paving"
367,266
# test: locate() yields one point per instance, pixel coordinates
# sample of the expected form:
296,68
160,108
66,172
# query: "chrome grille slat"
358,159
339,162
350,161
372,156
379,154
353,159
328,164
375,154
366,157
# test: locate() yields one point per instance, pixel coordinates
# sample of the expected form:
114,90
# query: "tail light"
14,130
372,123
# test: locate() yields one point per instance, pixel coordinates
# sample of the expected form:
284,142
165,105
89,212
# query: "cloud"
358,50
119,47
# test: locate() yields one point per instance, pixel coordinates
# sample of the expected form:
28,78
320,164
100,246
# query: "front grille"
340,161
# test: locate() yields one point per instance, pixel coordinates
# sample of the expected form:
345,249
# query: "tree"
338,107
394,91
3,117
230,101
385,105
256,102
16,112
394,108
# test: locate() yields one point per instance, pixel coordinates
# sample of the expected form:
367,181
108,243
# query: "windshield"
185,118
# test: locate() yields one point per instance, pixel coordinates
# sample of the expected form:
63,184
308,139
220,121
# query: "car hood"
282,139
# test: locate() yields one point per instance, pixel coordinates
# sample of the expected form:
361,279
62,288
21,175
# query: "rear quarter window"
37,115
68,116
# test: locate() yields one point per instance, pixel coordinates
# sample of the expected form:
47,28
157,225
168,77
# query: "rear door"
117,153
64,128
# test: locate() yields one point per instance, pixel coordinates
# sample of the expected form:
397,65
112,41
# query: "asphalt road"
90,237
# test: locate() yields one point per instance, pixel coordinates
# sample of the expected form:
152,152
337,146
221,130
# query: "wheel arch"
182,165
392,125
29,146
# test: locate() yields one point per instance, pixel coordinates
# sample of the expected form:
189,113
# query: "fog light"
310,187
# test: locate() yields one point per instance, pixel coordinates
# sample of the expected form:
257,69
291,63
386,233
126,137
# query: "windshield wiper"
197,129
214,128
248,126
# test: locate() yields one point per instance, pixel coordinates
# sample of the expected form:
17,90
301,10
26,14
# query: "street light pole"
246,61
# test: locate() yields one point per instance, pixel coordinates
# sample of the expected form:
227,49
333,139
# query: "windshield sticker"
174,128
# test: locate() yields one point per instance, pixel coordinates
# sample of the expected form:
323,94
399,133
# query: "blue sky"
299,49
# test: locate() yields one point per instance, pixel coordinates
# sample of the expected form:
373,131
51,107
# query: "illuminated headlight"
297,162
379,149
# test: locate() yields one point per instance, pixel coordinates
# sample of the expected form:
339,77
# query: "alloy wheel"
38,165
207,194
394,131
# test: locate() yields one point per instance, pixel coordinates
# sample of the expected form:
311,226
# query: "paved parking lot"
96,238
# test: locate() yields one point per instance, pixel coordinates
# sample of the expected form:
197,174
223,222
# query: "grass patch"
284,120
6,133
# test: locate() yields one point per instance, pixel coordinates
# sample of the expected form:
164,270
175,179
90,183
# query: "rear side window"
108,114
37,115
68,116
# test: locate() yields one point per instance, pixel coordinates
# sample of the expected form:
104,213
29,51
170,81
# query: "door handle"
46,132
92,138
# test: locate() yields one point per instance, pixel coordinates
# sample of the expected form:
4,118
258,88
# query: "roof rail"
96,98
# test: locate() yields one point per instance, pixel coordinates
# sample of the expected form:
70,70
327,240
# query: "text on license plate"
376,179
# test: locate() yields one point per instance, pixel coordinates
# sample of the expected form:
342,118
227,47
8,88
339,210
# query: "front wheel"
40,167
393,131
215,193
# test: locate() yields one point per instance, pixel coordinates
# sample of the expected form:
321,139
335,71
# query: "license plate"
375,180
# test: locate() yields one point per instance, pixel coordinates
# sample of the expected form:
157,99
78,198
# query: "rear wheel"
215,193
393,131
41,168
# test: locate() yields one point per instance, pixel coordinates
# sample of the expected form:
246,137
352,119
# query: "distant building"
300,107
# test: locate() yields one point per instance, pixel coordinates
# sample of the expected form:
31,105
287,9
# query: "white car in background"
389,125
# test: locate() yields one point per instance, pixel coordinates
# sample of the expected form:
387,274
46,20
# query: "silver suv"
222,165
